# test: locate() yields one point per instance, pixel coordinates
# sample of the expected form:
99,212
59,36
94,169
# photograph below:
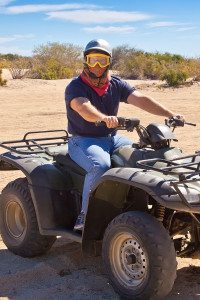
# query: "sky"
150,25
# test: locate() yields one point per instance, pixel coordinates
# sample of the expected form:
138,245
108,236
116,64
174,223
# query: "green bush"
51,70
14,61
59,61
137,64
174,78
9,56
56,61
4,64
2,81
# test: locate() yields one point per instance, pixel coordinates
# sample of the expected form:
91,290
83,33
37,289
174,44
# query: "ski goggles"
93,59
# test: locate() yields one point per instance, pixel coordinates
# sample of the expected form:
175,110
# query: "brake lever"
175,122
191,124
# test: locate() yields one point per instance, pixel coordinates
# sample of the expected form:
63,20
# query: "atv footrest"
70,234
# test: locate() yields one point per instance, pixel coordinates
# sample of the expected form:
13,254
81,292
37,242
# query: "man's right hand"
111,121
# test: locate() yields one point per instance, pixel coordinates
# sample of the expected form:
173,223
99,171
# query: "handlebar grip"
121,122
128,122
100,123
124,123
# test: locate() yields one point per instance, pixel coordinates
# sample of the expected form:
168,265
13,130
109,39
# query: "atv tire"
139,256
18,222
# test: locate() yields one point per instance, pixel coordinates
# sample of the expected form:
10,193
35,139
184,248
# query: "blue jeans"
93,155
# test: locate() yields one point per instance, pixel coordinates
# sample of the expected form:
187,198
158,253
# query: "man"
95,96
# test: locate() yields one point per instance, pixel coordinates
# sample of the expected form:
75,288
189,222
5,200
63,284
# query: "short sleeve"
126,90
75,89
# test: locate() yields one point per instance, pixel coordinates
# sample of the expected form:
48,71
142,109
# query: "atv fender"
108,197
48,186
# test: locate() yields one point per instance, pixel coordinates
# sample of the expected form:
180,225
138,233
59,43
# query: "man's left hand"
180,117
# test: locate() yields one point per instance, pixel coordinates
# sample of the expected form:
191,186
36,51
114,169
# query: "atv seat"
61,156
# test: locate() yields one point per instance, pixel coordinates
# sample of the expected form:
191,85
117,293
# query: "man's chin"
97,75
98,72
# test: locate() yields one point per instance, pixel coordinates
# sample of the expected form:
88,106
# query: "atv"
143,211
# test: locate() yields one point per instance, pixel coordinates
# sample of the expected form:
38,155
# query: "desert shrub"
20,67
11,60
194,68
59,61
9,56
137,64
2,81
51,70
128,62
153,69
119,54
174,78
197,78
131,69
56,61
67,72
4,64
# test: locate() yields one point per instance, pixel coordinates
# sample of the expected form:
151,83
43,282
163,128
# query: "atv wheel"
139,256
18,222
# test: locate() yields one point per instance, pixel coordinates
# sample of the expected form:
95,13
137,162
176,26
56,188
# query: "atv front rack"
186,168
36,144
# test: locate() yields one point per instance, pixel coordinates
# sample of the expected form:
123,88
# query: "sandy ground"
63,272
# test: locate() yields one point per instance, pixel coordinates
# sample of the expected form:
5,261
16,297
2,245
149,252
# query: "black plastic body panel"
54,197
109,195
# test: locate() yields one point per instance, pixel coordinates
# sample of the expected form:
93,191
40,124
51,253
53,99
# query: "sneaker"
80,222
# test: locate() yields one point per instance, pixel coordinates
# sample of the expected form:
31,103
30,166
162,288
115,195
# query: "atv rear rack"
36,144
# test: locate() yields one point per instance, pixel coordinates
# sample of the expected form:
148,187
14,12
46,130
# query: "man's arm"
90,113
149,104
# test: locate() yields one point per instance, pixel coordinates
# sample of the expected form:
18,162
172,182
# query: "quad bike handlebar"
155,135
130,123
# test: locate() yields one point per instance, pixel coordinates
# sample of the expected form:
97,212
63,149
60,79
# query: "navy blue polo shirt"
118,91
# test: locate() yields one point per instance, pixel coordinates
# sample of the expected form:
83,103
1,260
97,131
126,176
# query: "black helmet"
100,45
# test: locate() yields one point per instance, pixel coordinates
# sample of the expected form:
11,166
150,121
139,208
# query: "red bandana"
99,90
